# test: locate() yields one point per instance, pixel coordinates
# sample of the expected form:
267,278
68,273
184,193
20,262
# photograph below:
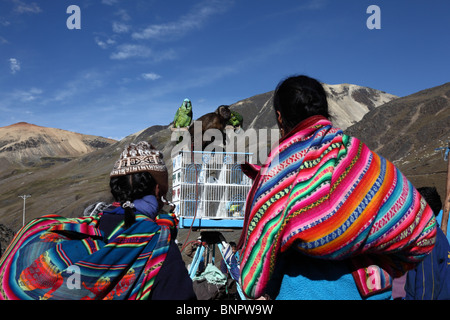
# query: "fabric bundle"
329,196
59,258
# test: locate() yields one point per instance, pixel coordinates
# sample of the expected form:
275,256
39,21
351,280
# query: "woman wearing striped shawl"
125,252
327,218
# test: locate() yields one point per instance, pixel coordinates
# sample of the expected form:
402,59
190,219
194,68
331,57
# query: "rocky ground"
6,235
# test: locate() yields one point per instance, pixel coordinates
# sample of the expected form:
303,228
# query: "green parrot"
183,116
236,119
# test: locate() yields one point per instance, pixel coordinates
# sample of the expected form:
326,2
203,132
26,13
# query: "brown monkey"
213,120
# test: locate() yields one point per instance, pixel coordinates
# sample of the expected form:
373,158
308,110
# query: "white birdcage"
210,188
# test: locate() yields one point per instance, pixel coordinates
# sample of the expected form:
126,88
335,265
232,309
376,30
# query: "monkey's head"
224,111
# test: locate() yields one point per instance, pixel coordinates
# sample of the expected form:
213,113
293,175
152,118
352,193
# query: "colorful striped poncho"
330,197
59,258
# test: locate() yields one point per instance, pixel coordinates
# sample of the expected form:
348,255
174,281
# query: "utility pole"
447,191
24,197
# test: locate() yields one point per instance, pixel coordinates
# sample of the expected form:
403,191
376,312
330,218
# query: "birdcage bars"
211,187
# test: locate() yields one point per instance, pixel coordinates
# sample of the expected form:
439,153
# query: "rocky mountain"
28,156
28,145
408,131
348,103
68,187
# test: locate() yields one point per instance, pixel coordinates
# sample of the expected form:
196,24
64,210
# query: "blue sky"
133,62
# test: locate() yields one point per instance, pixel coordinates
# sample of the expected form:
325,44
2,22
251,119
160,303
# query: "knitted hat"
142,157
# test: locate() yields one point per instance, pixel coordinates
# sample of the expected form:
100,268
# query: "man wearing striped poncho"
326,217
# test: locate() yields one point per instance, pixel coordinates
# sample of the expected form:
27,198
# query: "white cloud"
126,51
192,20
109,2
157,31
14,65
21,7
315,5
104,44
124,16
86,81
26,95
119,27
31,95
4,22
150,76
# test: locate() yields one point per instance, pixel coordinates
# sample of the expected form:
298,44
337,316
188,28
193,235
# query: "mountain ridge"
347,103
408,131
67,188
26,145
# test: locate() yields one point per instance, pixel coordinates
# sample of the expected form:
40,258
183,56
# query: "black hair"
129,188
298,98
432,197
